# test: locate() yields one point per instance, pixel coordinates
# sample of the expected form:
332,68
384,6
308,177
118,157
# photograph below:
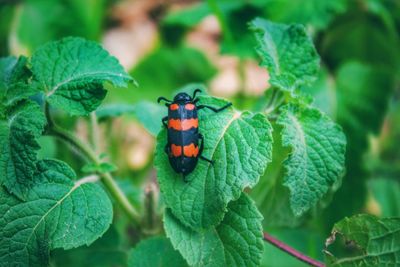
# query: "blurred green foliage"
358,42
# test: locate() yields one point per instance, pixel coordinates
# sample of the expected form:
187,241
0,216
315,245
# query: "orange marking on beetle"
183,125
189,106
174,107
191,150
176,150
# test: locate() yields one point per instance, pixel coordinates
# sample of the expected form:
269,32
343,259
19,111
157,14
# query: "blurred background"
165,45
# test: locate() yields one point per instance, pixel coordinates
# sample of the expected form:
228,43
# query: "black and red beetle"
183,147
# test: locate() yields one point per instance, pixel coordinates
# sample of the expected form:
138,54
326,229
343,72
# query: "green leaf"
315,13
237,241
240,145
114,110
271,196
188,17
14,75
155,251
361,107
105,252
317,153
377,241
386,192
166,69
58,213
287,52
363,94
72,72
19,132
150,115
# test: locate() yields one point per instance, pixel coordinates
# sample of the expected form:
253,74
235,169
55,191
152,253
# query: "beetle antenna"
195,92
163,98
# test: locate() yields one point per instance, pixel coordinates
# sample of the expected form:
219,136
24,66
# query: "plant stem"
291,251
94,132
90,155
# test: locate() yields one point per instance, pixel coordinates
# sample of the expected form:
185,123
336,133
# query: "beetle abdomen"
183,137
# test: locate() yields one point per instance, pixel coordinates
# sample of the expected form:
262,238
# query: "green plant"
211,220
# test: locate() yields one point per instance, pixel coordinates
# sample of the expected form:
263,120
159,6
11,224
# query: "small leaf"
18,146
237,241
58,213
377,241
287,52
72,72
240,145
14,75
155,251
317,157
150,115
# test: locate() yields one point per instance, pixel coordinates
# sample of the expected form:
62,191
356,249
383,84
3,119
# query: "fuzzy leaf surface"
237,241
155,251
57,213
377,241
72,72
240,145
317,154
19,131
287,52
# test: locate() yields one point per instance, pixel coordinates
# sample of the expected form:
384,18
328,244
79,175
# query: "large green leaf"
57,213
18,146
287,52
155,251
377,241
72,71
240,145
317,153
236,241
14,75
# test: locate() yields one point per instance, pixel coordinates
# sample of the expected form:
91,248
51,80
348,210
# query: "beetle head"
182,97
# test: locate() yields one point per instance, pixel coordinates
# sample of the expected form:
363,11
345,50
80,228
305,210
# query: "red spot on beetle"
174,107
191,150
176,150
189,106
183,125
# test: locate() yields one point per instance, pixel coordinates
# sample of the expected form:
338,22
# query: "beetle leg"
195,92
213,108
164,121
201,137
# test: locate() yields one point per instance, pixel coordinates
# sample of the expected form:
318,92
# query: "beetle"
183,148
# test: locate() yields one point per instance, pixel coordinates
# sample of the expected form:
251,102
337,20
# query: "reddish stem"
297,254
